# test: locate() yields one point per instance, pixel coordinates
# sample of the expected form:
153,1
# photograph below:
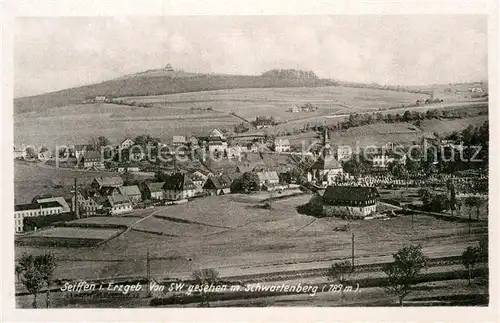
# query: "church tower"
326,167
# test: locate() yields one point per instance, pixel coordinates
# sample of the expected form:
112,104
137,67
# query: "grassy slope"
144,84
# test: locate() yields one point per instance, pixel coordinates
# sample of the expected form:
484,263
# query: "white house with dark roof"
92,159
179,141
268,178
118,204
126,144
179,186
352,202
281,145
153,191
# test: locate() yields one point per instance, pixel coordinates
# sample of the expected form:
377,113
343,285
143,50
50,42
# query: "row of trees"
407,264
36,271
360,119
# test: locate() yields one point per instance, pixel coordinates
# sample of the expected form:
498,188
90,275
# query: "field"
187,114
249,103
31,180
238,237
382,133
67,236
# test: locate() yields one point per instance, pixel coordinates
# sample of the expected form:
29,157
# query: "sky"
54,53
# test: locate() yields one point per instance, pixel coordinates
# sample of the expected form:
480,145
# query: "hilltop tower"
168,68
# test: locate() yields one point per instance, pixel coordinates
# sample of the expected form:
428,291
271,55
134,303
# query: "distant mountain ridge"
161,81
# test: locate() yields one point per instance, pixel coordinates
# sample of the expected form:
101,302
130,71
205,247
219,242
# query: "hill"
157,82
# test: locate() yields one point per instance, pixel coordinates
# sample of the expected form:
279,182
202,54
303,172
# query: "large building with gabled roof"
352,202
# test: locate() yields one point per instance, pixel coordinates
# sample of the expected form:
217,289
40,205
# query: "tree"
249,182
47,264
242,127
469,260
340,272
401,274
471,202
204,278
30,275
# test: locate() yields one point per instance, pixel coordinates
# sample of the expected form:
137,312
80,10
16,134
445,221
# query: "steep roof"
116,199
155,187
327,162
179,182
91,155
129,190
282,142
268,176
221,181
349,193
109,181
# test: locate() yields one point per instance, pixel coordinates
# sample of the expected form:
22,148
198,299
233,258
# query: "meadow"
31,180
188,114
238,237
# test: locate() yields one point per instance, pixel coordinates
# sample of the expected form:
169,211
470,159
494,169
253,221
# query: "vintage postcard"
283,160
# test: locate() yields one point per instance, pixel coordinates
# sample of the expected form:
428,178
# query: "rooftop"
349,193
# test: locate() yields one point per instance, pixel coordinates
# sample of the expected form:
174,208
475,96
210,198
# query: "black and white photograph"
217,161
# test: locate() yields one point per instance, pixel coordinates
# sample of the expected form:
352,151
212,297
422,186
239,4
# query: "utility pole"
77,211
352,255
148,267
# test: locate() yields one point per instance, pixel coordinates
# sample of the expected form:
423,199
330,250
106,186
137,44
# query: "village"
270,162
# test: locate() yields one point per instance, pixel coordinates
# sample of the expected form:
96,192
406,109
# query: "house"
153,191
117,204
128,169
200,177
199,180
219,185
79,150
92,159
353,202
132,192
179,186
22,211
268,178
281,145
100,98
193,142
326,168
234,152
250,167
293,109
44,154
217,134
59,199
19,153
126,144
382,160
100,183
179,141
263,122
87,204
344,153
217,146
